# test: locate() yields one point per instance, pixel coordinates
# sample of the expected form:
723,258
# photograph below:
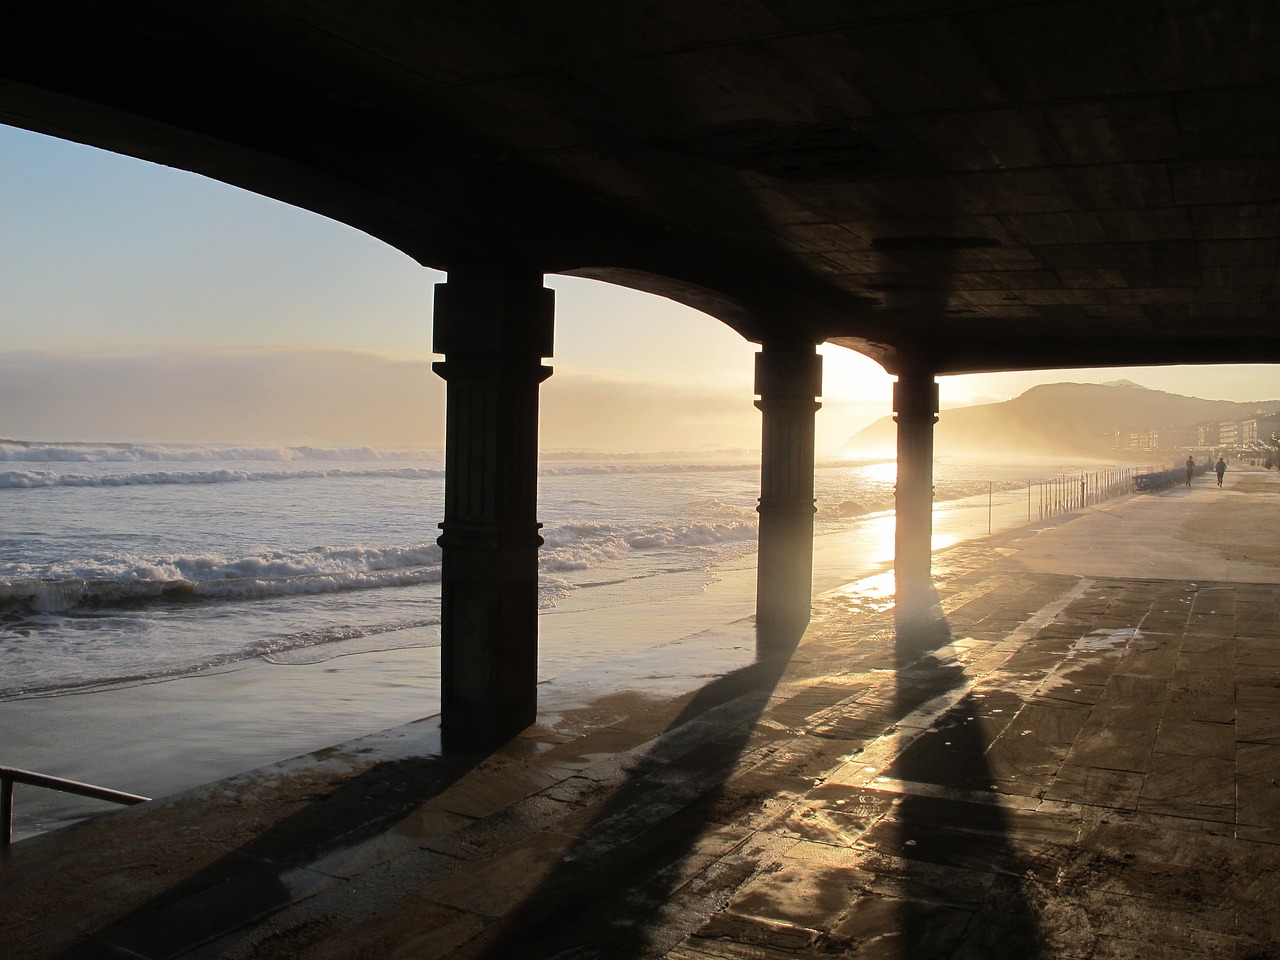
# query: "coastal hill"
1057,418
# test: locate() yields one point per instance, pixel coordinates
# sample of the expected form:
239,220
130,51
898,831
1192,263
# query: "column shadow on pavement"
607,894
959,875
249,882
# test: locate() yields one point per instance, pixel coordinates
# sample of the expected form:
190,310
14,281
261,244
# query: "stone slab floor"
1057,766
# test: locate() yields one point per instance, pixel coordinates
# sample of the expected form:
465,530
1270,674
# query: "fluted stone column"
788,381
494,325
915,402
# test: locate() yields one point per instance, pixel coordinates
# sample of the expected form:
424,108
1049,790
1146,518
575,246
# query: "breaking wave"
28,452
67,586
585,544
33,479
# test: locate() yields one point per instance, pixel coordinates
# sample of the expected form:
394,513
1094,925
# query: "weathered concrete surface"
967,185
1066,765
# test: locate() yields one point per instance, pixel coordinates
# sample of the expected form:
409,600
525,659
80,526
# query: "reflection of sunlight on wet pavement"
943,539
872,594
862,550
867,545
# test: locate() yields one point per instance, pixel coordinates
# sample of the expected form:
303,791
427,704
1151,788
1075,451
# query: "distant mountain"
1057,418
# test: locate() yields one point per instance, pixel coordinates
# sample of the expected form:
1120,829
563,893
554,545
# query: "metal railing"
11,775
1073,492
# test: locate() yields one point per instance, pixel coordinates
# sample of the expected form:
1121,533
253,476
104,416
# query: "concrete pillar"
915,404
788,381
494,325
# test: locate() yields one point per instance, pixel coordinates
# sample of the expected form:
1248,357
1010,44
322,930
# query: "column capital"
493,308
788,370
498,366
915,394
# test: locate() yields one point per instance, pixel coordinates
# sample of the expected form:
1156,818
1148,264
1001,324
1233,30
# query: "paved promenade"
1077,759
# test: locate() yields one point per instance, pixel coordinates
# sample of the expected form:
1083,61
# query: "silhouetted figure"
1220,467
1191,468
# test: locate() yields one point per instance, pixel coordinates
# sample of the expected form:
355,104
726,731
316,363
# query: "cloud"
318,396
221,396
612,414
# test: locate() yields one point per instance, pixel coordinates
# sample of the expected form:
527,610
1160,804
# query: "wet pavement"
1066,762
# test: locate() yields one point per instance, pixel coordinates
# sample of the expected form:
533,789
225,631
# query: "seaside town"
1254,440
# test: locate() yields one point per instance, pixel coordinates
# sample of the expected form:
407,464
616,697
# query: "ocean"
121,563
123,566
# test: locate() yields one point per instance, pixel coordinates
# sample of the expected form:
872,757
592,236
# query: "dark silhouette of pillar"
494,325
915,404
788,381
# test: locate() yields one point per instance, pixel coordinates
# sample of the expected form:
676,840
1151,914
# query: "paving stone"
723,827
1197,695
1199,787
1096,786
756,931
1060,690
1023,758
800,893
1117,948
1111,746
882,928
799,707
486,836
989,852
720,949
495,886
807,758
1258,787
1128,687
182,924
827,825
1161,929
1195,738
585,751
1258,834
483,795
1047,723
896,877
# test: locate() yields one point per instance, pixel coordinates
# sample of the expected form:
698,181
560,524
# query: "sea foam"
24,452
69,585
34,479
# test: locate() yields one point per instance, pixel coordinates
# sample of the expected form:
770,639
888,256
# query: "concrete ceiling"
961,185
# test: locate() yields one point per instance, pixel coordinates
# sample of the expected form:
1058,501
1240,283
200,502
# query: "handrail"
11,775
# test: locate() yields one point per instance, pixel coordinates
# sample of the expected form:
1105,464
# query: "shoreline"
160,736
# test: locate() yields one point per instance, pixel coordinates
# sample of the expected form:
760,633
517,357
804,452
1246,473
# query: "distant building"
1260,431
1229,433
1179,438
1208,434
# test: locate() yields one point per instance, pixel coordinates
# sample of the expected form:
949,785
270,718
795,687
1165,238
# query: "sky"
140,302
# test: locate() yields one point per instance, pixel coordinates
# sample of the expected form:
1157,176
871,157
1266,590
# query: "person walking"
1220,468
1191,468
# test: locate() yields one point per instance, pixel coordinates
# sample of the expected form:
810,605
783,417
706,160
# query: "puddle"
1106,639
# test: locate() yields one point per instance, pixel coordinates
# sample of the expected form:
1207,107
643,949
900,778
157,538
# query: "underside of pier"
945,185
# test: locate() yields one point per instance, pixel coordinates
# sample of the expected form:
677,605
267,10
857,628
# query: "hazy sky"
142,302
